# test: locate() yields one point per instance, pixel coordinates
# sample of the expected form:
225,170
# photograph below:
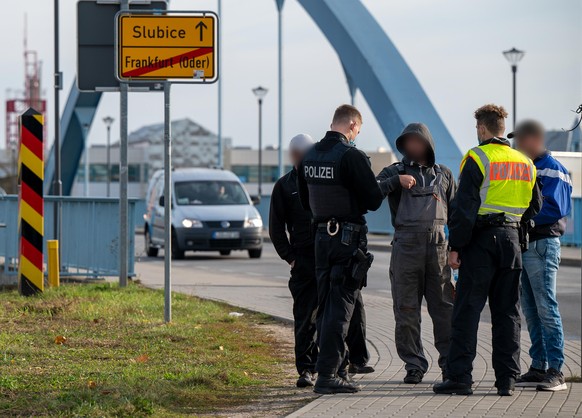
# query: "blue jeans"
540,305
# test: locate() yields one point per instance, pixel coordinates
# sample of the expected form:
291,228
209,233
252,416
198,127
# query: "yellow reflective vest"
508,179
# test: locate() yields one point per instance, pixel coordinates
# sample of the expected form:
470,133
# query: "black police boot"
305,379
360,369
450,387
413,376
505,387
328,384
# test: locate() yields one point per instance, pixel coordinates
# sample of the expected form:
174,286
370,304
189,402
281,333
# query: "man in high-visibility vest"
497,192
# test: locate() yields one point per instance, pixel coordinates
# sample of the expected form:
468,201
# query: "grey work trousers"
418,269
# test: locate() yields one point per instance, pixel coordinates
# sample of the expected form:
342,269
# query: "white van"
211,211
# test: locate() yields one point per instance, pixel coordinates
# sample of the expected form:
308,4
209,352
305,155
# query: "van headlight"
192,223
254,223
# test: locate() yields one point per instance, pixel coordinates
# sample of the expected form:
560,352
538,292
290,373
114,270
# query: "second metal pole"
108,161
260,191
167,206
280,71
514,70
220,141
57,184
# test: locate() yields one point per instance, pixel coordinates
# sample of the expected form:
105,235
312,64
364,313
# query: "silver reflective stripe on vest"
486,179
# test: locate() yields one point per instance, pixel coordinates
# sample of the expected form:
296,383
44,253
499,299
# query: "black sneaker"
360,369
305,379
413,376
553,382
326,385
450,387
531,379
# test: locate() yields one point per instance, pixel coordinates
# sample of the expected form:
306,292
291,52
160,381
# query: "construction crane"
18,101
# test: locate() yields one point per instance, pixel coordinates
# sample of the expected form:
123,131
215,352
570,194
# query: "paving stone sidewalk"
384,394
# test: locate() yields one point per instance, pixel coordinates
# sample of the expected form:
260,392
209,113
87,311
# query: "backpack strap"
438,169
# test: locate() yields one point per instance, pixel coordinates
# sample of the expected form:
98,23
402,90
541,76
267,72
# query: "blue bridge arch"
369,58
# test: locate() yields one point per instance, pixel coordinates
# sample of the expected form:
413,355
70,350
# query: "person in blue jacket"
540,263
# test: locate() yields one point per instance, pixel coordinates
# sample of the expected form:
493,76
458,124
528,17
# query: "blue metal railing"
379,221
90,235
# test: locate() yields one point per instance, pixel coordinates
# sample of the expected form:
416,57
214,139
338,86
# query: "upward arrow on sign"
201,25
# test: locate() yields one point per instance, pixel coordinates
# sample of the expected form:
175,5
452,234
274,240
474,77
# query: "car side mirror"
161,201
256,200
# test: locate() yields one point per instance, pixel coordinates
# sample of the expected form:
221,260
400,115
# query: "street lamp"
108,121
86,127
260,93
513,55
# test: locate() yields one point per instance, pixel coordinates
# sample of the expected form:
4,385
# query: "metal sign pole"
167,206
220,141
123,203
57,184
123,218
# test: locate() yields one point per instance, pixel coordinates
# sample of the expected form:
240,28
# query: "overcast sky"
452,46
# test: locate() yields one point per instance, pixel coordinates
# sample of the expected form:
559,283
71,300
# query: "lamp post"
513,55
86,127
260,93
108,121
280,4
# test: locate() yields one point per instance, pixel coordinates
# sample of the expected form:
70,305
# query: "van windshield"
210,193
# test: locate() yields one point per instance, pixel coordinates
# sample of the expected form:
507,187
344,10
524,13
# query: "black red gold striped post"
31,203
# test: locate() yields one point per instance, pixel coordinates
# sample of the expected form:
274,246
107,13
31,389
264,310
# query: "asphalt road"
198,265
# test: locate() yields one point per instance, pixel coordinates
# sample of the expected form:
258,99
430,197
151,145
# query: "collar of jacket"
546,154
336,136
495,140
411,163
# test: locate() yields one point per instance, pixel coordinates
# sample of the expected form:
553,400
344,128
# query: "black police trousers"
303,287
490,268
338,295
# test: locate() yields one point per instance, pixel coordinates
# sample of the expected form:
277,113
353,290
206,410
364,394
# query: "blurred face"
415,148
531,145
295,156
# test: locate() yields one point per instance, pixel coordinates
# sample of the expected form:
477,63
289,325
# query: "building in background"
195,146
192,146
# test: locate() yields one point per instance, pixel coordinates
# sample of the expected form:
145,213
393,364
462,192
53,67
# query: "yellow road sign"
165,47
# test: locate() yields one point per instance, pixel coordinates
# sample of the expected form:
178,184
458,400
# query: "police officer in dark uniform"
497,193
287,214
336,182
293,236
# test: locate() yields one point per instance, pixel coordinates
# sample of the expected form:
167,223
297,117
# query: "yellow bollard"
53,263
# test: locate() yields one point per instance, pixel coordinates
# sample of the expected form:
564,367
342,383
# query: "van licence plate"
226,235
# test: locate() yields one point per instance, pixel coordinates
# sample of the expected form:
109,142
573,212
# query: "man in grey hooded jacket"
419,193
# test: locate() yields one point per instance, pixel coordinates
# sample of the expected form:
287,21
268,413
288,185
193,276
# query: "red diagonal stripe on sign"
32,143
31,253
176,60
32,198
